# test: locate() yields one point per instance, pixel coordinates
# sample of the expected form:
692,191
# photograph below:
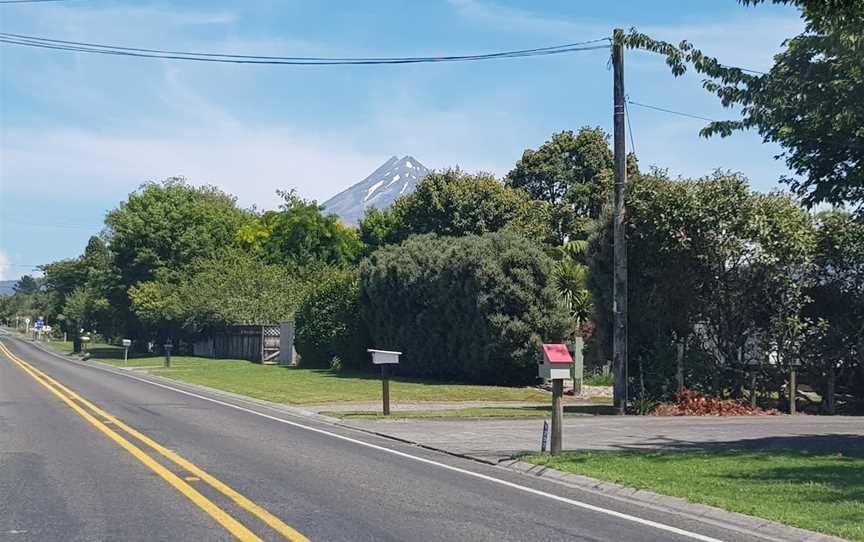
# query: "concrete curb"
763,528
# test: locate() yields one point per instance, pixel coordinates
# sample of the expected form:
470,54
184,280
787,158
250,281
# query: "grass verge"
816,491
301,386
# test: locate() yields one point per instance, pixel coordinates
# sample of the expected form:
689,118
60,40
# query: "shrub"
474,308
328,323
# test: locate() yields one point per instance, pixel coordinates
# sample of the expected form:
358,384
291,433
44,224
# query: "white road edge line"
572,502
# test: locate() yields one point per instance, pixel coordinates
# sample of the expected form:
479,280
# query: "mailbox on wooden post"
385,358
126,344
556,366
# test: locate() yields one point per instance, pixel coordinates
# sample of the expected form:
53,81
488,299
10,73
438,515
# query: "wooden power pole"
619,282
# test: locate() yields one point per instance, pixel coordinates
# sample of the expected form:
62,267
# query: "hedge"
473,308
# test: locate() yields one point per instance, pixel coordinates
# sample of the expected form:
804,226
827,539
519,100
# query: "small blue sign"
38,324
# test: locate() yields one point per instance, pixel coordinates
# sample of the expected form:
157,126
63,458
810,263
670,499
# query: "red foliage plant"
692,403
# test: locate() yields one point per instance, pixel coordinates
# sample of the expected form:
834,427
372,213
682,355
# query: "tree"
166,226
26,285
714,268
572,173
91,271
811,102
472,308
83,307
230,287
160,230
455,203
570,277
300,235
837,293
329,332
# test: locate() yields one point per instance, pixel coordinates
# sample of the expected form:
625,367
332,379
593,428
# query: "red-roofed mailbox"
555,367
556,362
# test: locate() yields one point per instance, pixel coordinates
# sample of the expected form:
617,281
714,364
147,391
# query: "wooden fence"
268,343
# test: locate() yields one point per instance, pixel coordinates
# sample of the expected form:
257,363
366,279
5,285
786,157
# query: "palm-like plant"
570,279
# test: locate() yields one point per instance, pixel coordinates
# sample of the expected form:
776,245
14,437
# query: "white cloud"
520,20
248,162
4,267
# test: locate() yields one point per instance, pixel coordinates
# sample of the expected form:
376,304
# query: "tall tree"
811,102
160,230
454,203
26,285
571,172
300,235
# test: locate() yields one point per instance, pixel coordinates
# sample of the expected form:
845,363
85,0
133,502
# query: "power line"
94,48
664,110
629,126
28,1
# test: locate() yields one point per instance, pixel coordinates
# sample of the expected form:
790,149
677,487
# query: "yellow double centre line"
233,526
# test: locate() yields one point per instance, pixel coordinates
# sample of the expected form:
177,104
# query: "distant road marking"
229,523
492,479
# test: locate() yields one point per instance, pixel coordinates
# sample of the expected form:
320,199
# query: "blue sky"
79,132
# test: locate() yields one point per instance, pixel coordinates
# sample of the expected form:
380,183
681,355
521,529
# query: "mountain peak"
392,179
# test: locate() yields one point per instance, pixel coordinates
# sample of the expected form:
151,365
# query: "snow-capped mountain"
394,178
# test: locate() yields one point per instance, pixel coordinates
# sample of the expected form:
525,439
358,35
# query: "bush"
328,324
474,308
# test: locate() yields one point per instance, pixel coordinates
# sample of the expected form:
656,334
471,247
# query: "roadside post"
577,369
84,340
385,358
168,346
793,385
556,367
126,344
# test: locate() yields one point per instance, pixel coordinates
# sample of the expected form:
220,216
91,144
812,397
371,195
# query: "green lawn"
302,386
816,491
484,412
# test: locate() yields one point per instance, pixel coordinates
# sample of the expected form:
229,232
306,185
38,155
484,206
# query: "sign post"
385,358
556,365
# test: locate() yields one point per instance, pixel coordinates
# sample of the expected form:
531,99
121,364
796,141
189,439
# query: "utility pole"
619,281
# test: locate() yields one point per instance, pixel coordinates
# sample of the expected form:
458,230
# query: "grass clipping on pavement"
815,491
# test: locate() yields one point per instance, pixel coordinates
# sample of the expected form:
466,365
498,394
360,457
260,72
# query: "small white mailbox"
127,342
556,362
384,357
84,338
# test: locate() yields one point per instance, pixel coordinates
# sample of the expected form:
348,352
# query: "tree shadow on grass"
838,443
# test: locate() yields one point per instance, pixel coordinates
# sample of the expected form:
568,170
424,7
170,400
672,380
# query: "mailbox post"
556,367
385,358
168,346
126,344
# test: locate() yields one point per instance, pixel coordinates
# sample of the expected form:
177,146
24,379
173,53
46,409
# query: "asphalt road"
89,453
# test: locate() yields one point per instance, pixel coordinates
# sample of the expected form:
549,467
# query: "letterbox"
384,357
556,362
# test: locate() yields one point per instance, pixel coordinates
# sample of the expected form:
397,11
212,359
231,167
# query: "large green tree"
300,235
714,268
161,229
455,203
230,287
811,101
572,172
167,225
837,294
